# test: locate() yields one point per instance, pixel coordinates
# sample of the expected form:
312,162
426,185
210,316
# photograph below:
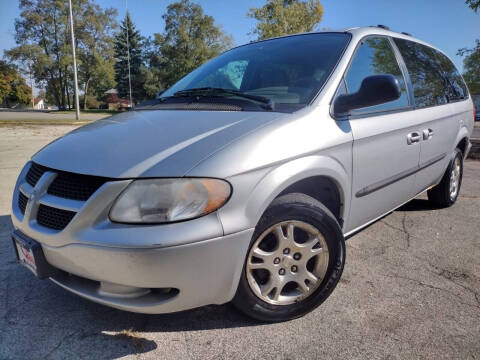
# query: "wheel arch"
463,145
462,140
253,193
321,188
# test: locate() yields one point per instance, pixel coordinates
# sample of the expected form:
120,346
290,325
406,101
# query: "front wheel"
295,260
445,194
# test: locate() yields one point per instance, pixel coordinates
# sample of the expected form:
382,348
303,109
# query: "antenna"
128,57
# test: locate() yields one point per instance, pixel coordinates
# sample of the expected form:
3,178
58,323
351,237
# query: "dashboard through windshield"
289,71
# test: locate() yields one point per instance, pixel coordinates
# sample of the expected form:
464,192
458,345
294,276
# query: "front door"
386,145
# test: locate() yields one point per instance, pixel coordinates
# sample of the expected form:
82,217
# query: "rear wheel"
445,194
295,260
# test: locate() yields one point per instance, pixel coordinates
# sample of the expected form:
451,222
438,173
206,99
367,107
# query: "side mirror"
374,90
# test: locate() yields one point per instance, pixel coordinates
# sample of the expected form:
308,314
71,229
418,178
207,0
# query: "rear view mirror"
374,90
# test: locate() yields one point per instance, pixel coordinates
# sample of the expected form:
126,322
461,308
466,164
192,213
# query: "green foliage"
471,65
94,40
190,39
474,4
90,101
284,17
13,88
125,46
43,39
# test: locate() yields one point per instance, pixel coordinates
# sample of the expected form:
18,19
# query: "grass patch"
21,122
89,111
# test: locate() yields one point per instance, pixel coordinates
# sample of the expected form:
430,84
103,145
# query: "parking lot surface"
410,290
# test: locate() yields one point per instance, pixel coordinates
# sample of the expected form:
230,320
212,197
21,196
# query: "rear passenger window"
457,90
434,79
375,56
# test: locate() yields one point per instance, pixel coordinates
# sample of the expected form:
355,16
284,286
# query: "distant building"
39,104
116,103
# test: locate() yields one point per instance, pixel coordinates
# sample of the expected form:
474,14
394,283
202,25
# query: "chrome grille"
65,185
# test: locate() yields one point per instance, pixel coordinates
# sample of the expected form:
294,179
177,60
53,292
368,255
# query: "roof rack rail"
405,33
382,27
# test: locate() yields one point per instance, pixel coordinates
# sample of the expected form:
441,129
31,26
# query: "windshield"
289,70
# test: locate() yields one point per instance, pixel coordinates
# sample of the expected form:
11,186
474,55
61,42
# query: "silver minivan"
241,182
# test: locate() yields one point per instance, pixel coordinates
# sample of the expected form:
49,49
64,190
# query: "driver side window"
375,56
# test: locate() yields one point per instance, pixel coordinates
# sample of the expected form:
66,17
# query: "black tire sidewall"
440,194
303,208
458,154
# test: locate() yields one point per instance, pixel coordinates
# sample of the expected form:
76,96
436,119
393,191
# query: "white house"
39,104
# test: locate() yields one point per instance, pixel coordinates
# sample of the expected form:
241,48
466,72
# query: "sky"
447,24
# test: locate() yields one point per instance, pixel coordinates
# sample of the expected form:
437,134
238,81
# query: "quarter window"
434,78
375,56
457,90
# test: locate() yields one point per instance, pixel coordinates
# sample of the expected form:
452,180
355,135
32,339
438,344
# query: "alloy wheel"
455,178
287,262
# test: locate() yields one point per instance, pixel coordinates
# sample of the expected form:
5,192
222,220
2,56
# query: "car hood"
149,143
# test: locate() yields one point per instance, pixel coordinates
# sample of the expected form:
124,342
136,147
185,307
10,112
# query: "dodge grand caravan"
241,181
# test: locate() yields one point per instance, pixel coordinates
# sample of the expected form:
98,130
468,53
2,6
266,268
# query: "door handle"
413,138
427,134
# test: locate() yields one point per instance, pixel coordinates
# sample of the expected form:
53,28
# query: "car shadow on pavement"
38,315
417,205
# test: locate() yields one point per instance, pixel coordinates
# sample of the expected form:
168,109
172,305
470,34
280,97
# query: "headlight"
169,200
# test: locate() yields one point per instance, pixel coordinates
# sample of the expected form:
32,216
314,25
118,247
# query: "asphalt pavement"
410,290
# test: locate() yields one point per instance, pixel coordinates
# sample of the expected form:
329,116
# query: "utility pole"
77,102
128,58
31,83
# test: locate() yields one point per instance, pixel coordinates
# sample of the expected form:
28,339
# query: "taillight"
474,113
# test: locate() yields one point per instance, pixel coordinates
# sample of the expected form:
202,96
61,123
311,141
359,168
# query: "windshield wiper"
208,91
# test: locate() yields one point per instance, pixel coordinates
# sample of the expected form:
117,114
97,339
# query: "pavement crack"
59,344
403,229
407,233
430,286
450,276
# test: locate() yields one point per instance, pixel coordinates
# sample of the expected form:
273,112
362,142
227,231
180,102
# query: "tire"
441,195
304,215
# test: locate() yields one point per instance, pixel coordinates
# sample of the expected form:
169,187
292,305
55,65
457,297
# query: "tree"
26,56
471,63
190,39
43,25
128,48
94,37
474,4
13,88
284,17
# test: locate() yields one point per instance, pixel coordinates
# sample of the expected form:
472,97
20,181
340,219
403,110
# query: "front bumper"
139,268
153,281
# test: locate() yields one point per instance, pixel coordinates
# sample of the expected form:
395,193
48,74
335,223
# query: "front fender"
254,191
